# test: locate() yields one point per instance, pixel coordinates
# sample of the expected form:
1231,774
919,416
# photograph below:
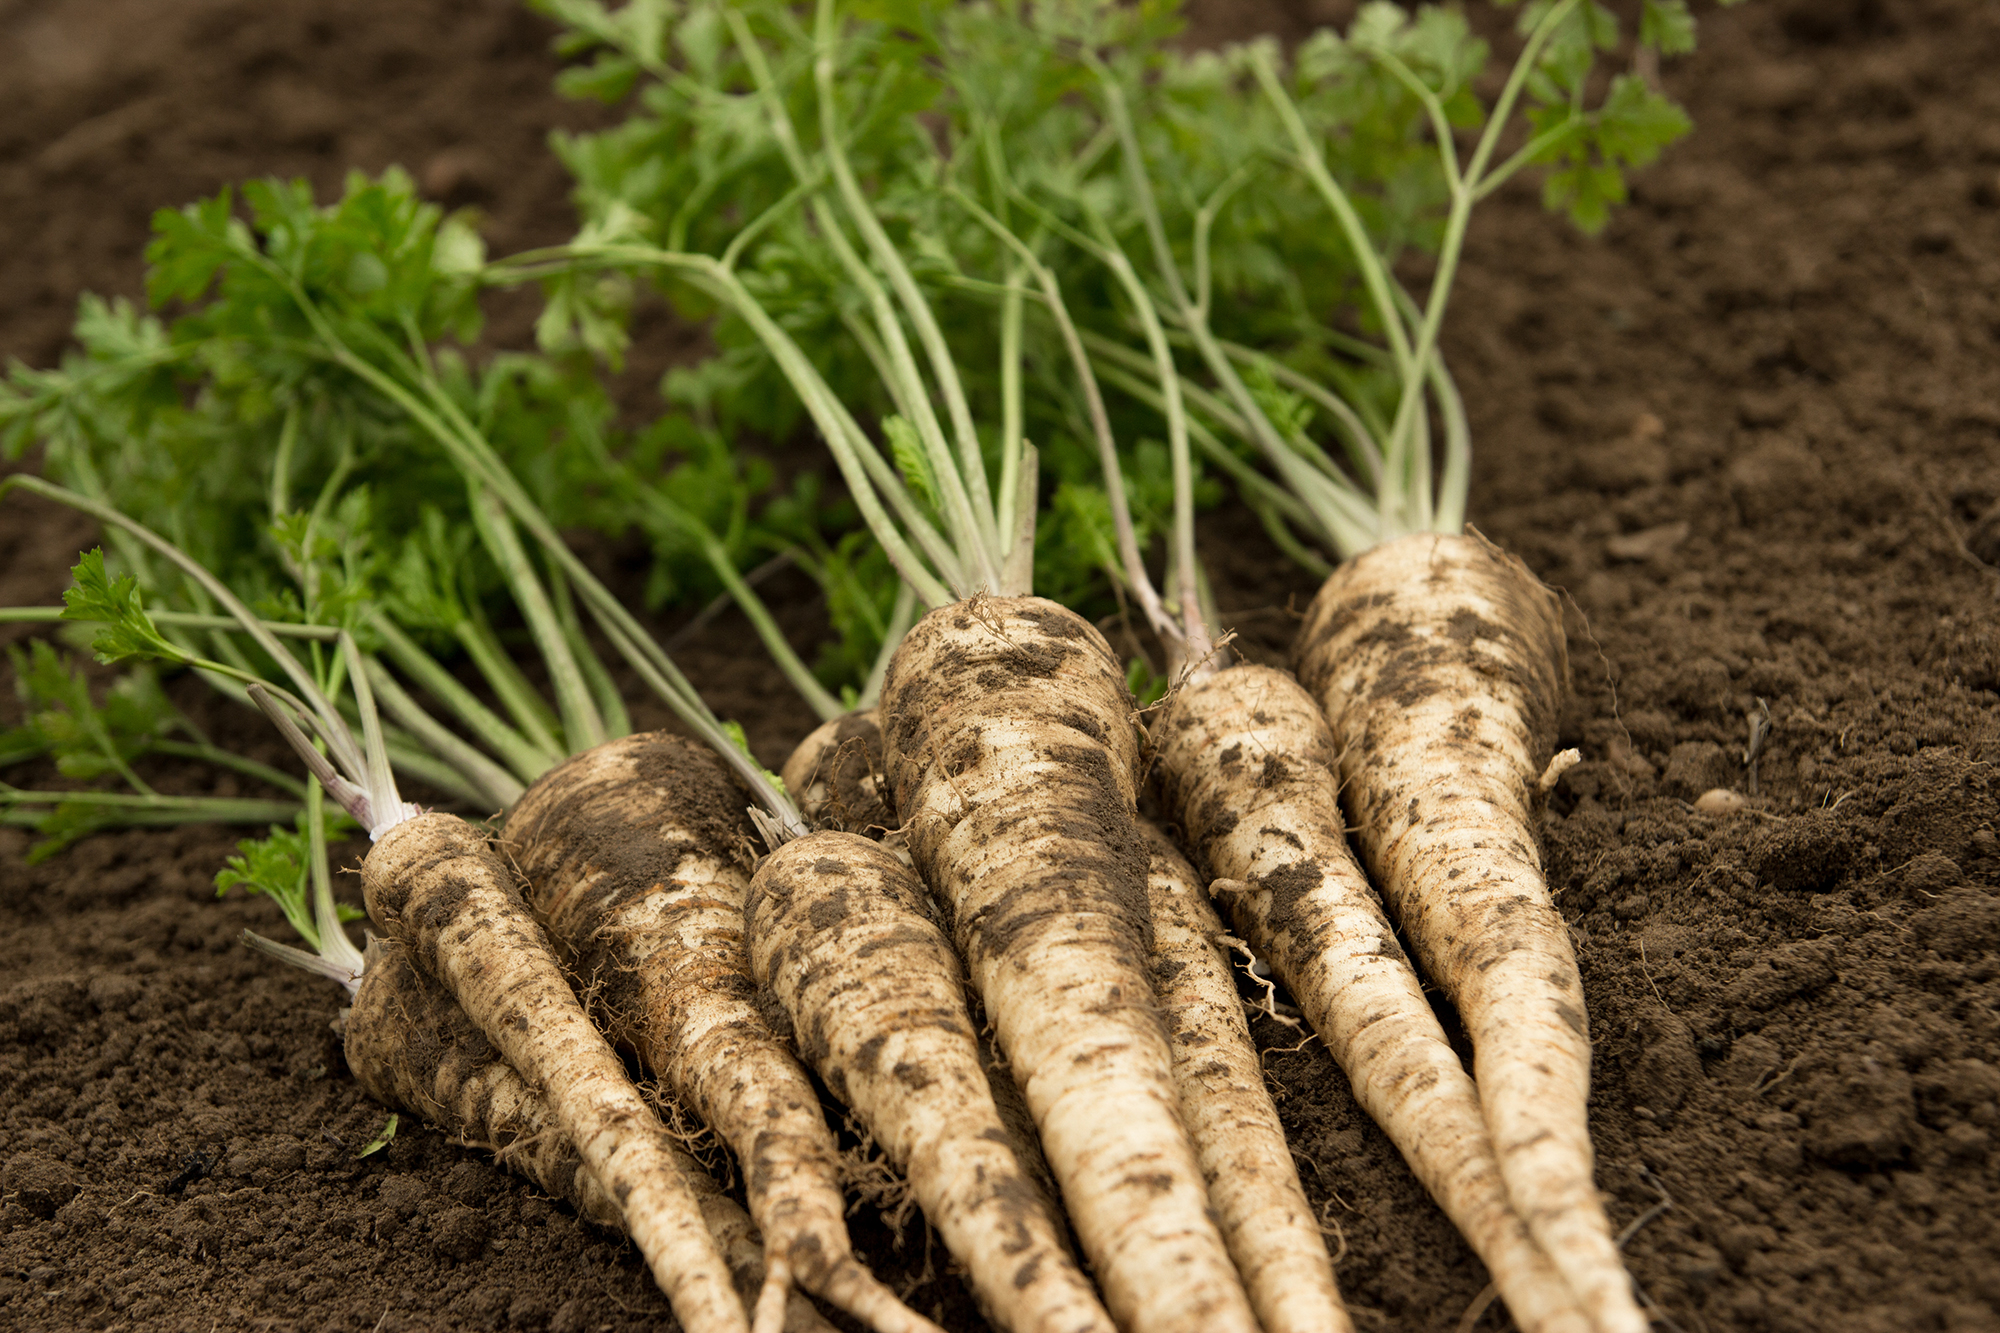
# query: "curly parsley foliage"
265,427
280,867
1001,102
93,740
88,740
1588,151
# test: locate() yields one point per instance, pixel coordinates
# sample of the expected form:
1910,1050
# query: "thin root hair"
1319,1174
1665,1204
1148,751
1329,1226
1268,1051
1480,1304
696,1139
1270,987
989,620
867,1170
1186,673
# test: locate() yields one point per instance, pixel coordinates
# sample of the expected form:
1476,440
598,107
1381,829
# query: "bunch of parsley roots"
1013,291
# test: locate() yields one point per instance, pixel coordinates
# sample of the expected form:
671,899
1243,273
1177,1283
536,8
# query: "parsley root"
1011,750
1440,663
634,853
835,774
842,937
1247,764
433,883
411,1046
1252,1183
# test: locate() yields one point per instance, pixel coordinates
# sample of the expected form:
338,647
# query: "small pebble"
1720,801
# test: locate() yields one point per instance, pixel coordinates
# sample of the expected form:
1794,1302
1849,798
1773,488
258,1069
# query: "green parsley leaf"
129,632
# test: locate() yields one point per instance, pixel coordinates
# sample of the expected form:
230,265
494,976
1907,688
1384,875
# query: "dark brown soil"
1748,430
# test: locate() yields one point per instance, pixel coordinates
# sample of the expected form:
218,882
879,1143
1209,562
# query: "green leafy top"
1228,237
280,866
295,427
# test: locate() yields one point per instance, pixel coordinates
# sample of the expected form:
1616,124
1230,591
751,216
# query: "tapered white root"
411,1046
1440,664
1011,754
1245,762
835,775
1252,1182
844,939
635,854
434,884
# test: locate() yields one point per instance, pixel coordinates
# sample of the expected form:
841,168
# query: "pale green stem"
281,463
1280,532
1011,307
527,760
665,679
1204,224
1100,421
38,615
943,368
1342,518
885,370
617,721
1457,478
1362,448
1433,108
1528,154
380,779
475,457
469,450
333,944
537,725
308,575
1283,454
93,725
221,758
1464,194
753,607
901,617
186,809
500,788
1017,571
849,445
583,728
1197,643
413,761
181,620
331,726
800,191
901,375
1246,477
1365,259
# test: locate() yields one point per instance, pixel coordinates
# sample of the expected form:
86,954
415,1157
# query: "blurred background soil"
1747,430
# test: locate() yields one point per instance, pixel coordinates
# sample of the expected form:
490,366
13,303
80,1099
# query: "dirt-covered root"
1253,1183
843,936
434,884
636,856
1011,753
411,1047
854,743
836,777
1440,662
1244,761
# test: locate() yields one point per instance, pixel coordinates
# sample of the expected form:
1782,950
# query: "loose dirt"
1748,431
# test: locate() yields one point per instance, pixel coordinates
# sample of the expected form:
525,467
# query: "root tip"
769,1316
